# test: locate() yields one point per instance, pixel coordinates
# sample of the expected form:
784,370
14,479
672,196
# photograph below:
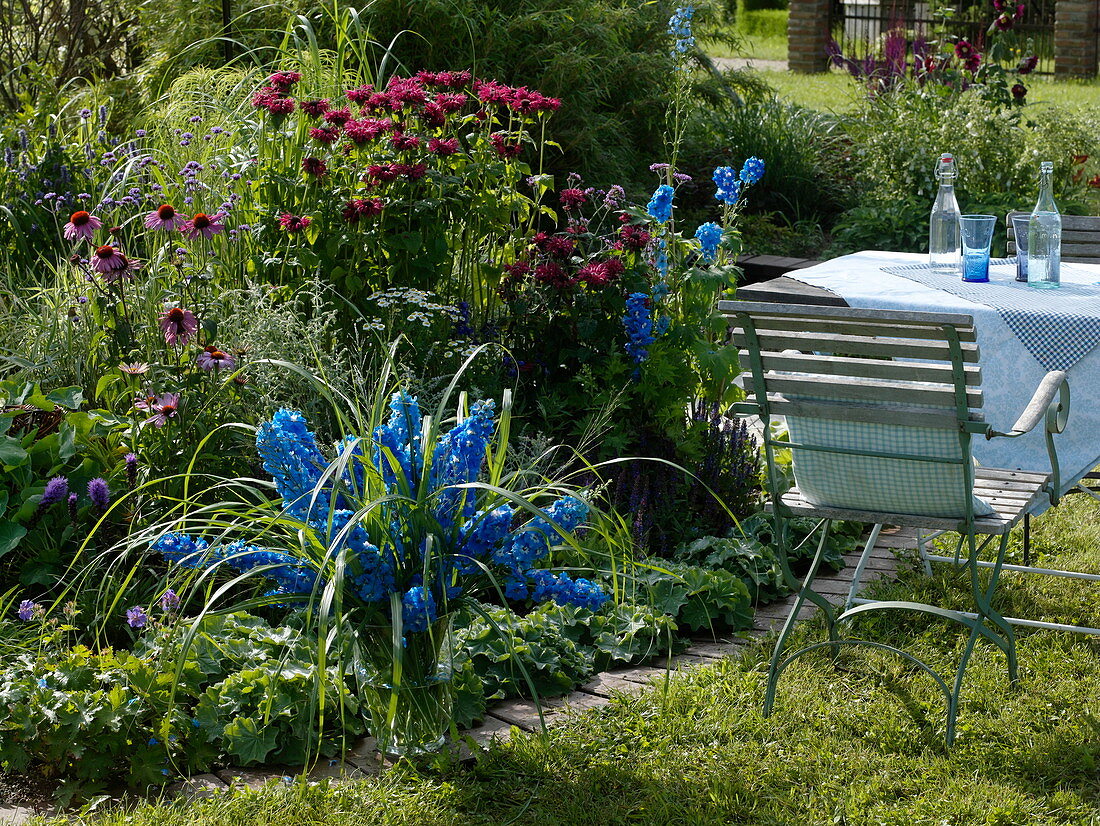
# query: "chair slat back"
1080,237
880,404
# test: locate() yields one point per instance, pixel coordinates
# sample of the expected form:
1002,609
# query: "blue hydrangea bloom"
752,171
660,205
709,236
639,327
728,184
679,28
418,609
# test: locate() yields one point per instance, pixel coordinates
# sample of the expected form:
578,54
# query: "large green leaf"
12,453
68,397
11,534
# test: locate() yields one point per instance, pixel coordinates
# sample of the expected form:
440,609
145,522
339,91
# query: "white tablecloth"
1010,373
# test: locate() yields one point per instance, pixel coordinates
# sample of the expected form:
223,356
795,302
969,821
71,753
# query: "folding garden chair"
881,407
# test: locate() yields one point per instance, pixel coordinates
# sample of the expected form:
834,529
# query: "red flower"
360,95
572,198
553,274
1027,65
613,268
272,99
521,268
592,274
362,208
1080,159
405,91
432,114
284,80
338,117
415,172
383,172
443,147
324,134
314,108
293,223
367,129
401,141
315,167
1019,91
559,246
633,237
964,49
1003,22
972,63
503,148
450,101
1094,182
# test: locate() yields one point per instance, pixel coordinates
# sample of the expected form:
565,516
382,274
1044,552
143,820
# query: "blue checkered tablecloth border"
1058,327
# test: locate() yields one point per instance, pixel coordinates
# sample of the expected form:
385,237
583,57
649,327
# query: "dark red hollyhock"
964,49
1019,91
973,62
1027,65
1094,181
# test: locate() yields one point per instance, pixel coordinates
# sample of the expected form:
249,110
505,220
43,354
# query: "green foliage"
764,22
618,634
699,598
756,564
803,536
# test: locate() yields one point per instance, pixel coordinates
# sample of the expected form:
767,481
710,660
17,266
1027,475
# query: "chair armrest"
1043,405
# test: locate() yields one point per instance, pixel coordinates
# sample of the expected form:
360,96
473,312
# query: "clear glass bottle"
944,242
1044,235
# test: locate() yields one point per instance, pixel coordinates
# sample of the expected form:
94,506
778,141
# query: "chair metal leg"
805,593
857,576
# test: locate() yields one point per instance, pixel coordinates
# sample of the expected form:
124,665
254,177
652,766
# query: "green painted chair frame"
865,363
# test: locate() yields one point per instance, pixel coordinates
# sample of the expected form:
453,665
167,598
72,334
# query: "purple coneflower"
165,217
82,224
127,270
107,259
201,224
178,325
136,617
136,368
165,408
211,358
99,493
293,223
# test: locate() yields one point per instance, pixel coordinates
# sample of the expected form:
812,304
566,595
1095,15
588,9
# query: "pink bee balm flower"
81,225
293,223
201,224
164,408
211,358
178,326
107,259
165,217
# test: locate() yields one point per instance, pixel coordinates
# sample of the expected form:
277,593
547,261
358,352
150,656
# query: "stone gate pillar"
808,34
1074,38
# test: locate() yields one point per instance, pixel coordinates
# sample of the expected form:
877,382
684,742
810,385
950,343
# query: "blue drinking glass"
977,235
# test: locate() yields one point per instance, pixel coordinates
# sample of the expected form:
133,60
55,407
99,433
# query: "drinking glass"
977,235
1019,227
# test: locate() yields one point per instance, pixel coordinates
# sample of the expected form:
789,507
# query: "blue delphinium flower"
752,171
418,609
728,183
481,536
660,205
639,327
531,542
401,437
663,323
565,591
679,28
286,571
457,460
709,236
290,454
182,550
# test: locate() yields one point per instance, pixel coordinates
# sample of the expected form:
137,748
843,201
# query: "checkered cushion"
879,484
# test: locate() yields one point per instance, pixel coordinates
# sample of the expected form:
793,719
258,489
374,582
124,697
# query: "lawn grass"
835,91
861,743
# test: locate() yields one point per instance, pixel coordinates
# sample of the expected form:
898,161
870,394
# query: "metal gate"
860,27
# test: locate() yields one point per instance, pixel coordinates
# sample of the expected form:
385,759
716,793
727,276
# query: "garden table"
1022,333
